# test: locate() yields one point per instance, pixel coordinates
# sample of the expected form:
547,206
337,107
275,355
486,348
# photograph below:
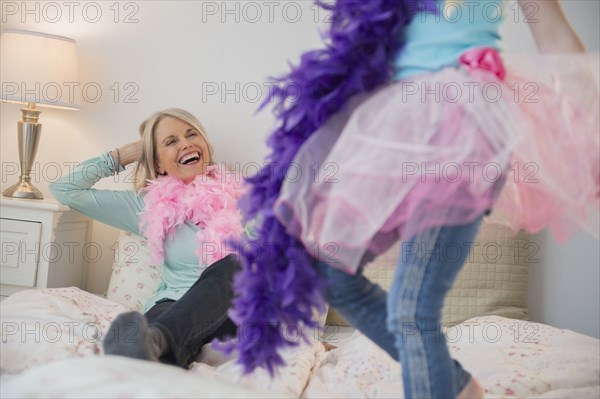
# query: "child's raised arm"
550,27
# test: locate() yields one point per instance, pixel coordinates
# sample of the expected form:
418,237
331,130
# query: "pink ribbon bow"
485,58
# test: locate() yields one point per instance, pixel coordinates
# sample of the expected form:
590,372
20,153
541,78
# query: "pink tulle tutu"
443,148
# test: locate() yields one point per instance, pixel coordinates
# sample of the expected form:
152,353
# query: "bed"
51,341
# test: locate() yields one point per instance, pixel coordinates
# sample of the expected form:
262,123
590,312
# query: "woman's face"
181,151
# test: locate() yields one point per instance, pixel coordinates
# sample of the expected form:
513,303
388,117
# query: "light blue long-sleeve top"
433,41
120,209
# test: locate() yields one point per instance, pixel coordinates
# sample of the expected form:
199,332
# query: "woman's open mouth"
190,158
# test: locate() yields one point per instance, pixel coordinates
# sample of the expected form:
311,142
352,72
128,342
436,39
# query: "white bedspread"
51,348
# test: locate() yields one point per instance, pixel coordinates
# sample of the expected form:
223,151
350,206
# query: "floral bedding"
51,347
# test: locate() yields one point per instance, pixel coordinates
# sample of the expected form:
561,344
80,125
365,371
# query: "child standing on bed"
410,125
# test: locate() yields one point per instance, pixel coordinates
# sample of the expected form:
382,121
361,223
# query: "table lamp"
36,69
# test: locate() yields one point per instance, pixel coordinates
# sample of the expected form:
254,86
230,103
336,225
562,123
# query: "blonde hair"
146,165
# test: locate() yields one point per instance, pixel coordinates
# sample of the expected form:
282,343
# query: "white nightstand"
43,244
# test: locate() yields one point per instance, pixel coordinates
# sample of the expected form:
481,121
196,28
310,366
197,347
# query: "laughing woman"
181,203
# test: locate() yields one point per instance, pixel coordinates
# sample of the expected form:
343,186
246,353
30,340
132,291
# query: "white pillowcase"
134,280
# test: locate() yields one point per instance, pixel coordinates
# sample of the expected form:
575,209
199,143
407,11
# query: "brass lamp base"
23,190
29,131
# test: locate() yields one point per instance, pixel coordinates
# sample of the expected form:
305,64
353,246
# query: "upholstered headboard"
493,281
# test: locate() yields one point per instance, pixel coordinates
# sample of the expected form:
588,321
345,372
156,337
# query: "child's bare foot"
328,347
472,391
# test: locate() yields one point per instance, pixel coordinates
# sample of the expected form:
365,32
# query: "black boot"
130,335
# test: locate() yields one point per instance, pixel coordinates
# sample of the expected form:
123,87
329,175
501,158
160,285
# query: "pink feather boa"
209,201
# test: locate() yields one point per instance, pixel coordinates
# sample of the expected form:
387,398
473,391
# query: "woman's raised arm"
117,208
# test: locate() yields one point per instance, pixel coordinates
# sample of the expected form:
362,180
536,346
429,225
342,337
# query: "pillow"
134,280
493,281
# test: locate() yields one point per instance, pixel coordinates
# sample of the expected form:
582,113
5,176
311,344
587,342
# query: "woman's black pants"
199,316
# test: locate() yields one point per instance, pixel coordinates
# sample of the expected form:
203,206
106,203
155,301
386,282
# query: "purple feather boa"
278,288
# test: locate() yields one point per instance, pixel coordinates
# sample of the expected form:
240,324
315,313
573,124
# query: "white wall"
564,283
177,53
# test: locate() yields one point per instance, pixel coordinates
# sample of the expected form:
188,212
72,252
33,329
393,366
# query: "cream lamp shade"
35,68
40,68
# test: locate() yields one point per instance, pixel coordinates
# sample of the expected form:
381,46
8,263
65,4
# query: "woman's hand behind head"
127,153
130,152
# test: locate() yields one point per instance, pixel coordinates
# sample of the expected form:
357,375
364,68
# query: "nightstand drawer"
44,245
20,247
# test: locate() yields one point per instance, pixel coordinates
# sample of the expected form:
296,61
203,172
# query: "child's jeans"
427,268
